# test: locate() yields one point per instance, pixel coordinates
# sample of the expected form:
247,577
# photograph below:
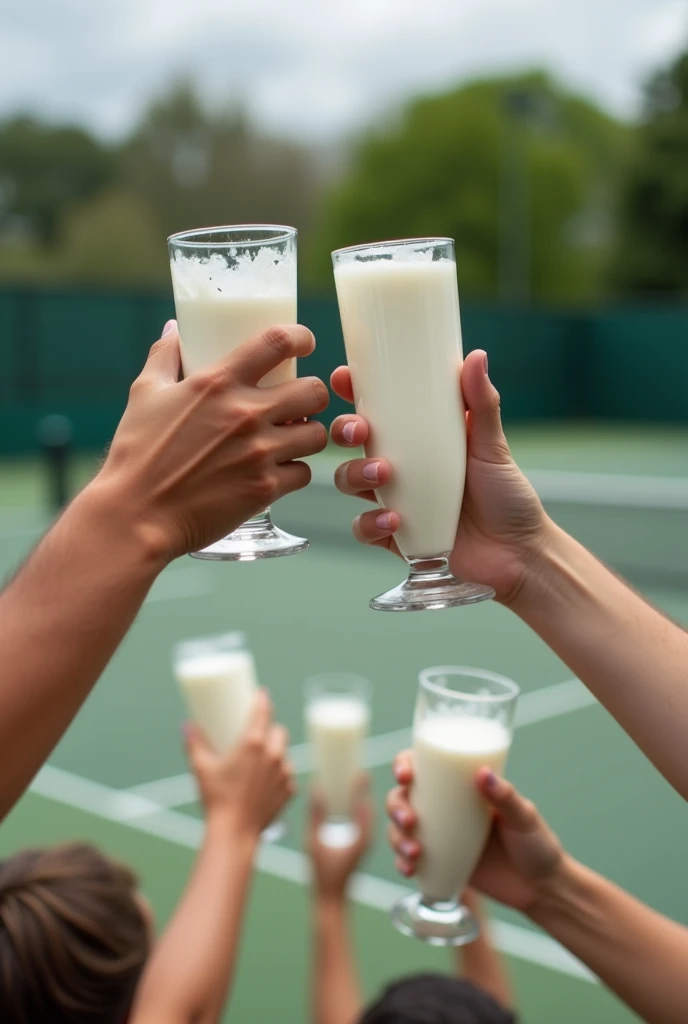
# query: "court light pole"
519,108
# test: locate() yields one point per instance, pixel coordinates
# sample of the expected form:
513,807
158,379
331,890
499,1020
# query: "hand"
332,868
193,459
250,785
522,858
502,526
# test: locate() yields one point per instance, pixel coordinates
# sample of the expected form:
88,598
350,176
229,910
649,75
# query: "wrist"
227,826
544,572
133,516
107,517
559,894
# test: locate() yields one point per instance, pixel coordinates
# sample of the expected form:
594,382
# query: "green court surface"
119,778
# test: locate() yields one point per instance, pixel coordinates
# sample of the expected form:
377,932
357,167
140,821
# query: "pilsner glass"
463,721
231,284
399,306
218,680
337,720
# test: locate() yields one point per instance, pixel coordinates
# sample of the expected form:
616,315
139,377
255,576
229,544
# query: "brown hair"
73,937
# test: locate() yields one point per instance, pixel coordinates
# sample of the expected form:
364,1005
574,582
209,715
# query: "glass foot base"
429,591
259,538
439,924
338,835
275,831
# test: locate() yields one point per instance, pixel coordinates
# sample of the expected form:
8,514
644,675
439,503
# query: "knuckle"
158,346
264,486
279,339
206,383
321,392
260,449
246,415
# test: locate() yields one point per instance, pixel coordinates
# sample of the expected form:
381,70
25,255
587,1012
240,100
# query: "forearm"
625,651
61,618
480,963
640,955
188,976
336,993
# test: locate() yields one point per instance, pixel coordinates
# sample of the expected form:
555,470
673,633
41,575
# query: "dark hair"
73,937
435,999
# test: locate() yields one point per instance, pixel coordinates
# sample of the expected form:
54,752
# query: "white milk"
219,690
453,819
220,307
400,319
336,727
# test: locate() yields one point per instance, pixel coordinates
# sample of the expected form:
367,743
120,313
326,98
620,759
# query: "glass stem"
429,569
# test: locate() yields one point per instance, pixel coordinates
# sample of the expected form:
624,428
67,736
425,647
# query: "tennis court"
119,778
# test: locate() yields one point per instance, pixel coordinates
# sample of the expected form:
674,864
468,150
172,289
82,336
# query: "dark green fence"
76,352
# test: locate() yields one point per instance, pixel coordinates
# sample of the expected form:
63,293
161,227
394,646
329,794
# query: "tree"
113,239
194,167
44,171
652,257
515,169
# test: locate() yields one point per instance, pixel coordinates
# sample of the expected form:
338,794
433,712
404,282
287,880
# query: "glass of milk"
218,681
337,711
399,307
463,722
230,284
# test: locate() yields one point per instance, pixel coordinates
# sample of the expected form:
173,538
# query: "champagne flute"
337,711
230,284
399,307
463,721
218,680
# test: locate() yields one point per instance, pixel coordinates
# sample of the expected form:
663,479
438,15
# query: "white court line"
581,488
536,706
128,809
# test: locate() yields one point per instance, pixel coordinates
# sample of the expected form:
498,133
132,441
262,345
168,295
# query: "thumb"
164,359
514,811
486,435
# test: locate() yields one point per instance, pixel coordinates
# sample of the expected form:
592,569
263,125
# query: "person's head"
74,937
435,999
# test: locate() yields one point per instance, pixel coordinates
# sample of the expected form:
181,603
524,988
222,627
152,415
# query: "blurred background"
550,139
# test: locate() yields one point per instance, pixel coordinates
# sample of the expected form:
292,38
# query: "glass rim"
511,688
363,684
193,237
183,650
438,240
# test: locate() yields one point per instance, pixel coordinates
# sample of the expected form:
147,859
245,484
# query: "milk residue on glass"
263,274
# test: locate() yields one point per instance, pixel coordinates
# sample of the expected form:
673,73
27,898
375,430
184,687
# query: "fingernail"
383,522
490,779
485,363
170,325
370,471
348,431
401,818
407,848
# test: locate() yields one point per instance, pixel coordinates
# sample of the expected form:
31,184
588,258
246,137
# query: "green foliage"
457,164
652,257
45,171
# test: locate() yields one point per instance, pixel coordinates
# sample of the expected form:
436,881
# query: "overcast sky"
317,68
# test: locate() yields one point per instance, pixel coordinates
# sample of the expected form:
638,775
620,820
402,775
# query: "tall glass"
463,722
399,306
337,720
218,680
230,284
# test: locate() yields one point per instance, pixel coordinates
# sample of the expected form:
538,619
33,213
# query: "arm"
336,991
630,655
190,970
640,955
479,962
190,461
